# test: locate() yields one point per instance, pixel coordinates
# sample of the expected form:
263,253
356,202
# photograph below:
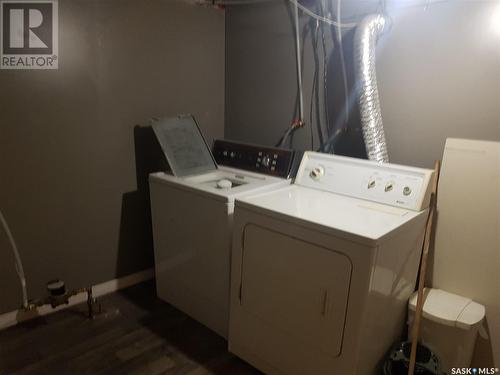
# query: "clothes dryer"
322,269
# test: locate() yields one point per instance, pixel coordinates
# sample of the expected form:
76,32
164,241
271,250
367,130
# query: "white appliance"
192,215
322,269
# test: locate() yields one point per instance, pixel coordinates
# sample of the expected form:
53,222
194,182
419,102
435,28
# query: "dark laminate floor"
135,334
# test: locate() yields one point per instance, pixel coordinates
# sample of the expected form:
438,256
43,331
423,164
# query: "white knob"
224,184
317,173
389,186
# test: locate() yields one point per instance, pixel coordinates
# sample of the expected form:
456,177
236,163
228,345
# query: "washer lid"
183,145
449,309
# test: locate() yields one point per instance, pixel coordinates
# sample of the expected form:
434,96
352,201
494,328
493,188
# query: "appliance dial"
317,173
266,161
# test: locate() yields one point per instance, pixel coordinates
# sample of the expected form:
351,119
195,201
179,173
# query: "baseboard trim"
12,318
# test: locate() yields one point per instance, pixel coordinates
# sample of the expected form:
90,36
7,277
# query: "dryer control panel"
267,160
391,184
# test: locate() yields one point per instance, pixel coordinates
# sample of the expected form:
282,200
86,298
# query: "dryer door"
295,287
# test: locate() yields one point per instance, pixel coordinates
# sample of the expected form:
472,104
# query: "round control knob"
406,190
317,173
224,184
266,161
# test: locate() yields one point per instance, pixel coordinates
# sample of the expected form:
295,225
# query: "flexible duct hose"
369,104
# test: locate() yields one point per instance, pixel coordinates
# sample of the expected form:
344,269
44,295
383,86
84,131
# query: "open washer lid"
183,144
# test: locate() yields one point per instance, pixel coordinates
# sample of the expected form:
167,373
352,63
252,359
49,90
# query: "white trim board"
12,318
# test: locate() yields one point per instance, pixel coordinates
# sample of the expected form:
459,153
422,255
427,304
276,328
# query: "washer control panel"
390,184
271,161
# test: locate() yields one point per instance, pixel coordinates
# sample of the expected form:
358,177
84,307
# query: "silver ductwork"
365,41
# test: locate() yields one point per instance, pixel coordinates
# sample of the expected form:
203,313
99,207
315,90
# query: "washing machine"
322,269
192,210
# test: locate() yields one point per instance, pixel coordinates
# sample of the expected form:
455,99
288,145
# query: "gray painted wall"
438,71
73,162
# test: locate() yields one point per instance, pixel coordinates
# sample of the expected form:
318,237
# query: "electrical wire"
342,61
325,74
321,18
288,134
315,94
19,263
303,8
329,146
299,63
325,20
314,91
296,122
311,120
283,137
